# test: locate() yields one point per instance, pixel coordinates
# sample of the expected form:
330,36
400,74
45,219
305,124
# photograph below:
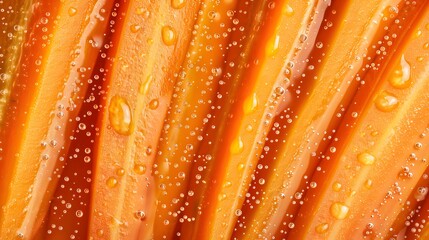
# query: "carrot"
40,130
275,194
15,17
138,91
70,209
193,97
410,208
417,226
377,160
255,80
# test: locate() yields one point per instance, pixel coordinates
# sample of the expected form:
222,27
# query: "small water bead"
111,182
139,169
421,193
135,28
140,215
279,91
368,184
366,159
339,210
82,126
336,186
87,159
322,228
72,11
168,35
177,4
148,151
120,115
386,102
120,172
319,45
238,212
154,104
401,75
79,213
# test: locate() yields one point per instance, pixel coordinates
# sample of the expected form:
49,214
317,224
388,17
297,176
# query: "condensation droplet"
401,75
250,104
72,11
177,4
111,182
366,159
120,115
168,35
154,104
322,228
237,146
339,210
386,102
79,213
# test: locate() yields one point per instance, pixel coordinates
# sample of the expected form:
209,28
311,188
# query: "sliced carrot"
69,211
193,98
418,227
411,209
275,193
15,17
153,41
379,157
40,130
255,80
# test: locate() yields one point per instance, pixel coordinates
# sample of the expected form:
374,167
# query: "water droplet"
168,35
368,183
366,159
238,212
120,115
177,4
111,182
140,215
79,213
336,186
237,146
139,169
386,102
250,104
144,87
401,75
339,210
322,228
288,10
273,47
120,172
72,11
154,104
135,28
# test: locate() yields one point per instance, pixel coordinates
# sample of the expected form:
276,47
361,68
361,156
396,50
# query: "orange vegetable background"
214,119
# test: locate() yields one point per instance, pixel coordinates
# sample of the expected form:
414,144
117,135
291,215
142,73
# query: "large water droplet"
401,75
120,115
386,102
237,146
339,210
168,35
250,104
